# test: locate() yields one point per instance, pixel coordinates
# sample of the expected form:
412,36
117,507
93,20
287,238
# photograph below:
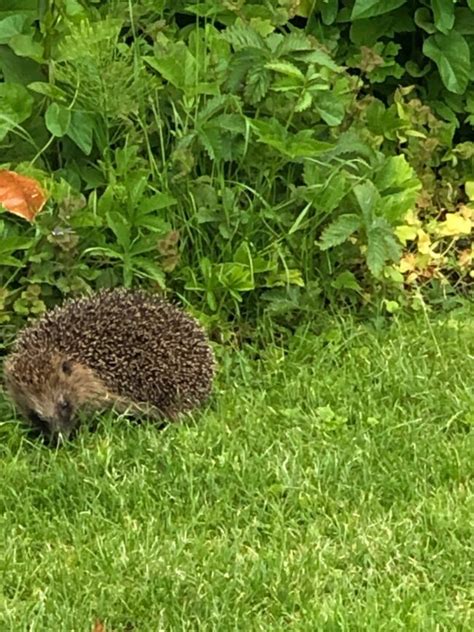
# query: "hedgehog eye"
66,367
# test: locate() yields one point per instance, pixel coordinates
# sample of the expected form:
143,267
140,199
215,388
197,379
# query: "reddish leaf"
98,626
21,195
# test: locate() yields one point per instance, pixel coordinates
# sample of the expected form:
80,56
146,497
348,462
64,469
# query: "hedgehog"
125,349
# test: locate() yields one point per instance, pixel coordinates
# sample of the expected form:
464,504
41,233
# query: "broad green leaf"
464,23
452,56
8,260
367,32
399,187
19,70
81,130
330,108
10,7
178,66
57,119
469,188
235,276
24,45
8,245
16,105
424,19
371,8
443,11
329,10
105,252
156,202
11,26
339,231
49,90
395,172
272,133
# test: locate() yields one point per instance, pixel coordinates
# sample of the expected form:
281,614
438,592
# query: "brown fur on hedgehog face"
50,398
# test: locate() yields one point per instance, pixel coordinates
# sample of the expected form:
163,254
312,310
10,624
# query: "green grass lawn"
327,487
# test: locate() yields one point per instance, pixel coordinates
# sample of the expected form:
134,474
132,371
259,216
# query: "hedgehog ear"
66,367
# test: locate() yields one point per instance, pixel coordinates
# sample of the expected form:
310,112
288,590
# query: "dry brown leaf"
21,195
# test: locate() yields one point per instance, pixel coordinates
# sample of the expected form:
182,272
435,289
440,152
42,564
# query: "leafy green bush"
256,156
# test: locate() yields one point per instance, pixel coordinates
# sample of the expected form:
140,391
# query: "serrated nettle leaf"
339,231
443,11
296,41
156,202
285,68
320,58
376,254
213,106
257,85
452,56
57,119
286,84
120,227
231,122
368,198
346,281
239,66
304,102
381,246
371,8
149,269
242,36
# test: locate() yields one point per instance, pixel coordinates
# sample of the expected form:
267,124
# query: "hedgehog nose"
58,437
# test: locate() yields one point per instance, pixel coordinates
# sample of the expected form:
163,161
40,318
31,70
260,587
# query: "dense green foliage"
252,156
327,488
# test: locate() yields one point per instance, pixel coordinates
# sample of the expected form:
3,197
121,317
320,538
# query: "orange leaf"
98,626
21,195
